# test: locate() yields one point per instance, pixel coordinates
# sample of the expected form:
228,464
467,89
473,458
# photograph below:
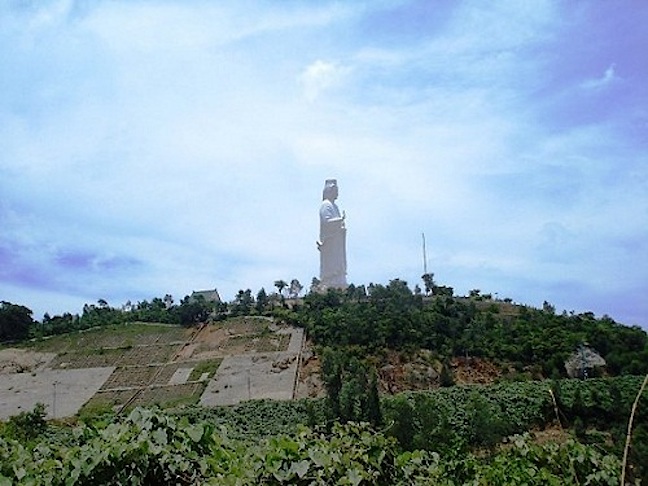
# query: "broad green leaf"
300,468
195,432
320,458
354,476
159,436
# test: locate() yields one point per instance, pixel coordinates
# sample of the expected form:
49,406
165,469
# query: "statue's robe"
333,264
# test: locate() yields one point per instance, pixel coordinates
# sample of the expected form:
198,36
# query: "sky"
155,146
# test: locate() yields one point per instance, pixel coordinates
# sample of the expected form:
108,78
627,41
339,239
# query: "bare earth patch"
13,360
474,370
309,381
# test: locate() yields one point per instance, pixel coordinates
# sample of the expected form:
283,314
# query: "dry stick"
572,469
555,404
629,435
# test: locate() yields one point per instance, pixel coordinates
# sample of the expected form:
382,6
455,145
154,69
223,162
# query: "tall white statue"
332,242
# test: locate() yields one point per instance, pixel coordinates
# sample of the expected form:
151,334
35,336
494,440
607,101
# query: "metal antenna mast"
424,256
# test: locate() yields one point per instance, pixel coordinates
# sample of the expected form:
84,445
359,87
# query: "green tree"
192,310
27,425
59,324
281,285
446,378
243,303
548,308
15,321
352,387
262,301
428,281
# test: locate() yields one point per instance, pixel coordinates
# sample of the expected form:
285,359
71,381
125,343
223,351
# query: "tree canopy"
15,321
392,316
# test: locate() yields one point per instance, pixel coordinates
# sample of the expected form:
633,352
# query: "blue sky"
151,147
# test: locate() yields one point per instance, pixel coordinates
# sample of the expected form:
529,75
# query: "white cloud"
608,78
320,76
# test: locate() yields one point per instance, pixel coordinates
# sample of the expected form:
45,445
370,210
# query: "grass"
261,342
205,367
132,376
87,358
116,336
171,396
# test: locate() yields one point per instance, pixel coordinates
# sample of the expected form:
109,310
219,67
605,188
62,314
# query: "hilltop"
412,340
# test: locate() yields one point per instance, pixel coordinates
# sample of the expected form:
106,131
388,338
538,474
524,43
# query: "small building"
209,295
583,362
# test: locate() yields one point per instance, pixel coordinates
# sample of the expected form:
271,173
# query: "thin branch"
629,434
555,404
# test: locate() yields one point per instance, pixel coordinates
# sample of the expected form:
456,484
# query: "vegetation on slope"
388,316
395,317
149,447
451,435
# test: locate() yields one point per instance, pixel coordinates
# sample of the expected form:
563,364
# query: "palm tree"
280,284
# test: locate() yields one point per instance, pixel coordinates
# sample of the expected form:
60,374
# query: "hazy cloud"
319,76
609,77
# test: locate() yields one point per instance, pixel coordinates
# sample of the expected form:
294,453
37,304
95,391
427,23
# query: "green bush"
26,426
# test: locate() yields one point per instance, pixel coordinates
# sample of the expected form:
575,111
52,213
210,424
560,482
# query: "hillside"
121,366
447,381
397,326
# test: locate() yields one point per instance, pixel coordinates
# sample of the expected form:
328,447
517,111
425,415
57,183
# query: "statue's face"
331,190
334,192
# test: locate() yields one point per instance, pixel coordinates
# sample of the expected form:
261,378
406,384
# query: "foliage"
15,321
202,367
281,285
352,387
259,419
146,448
190,311
243,303
599,401
295,288
393,316
428,281
428,436
604,404
550,464
446,377
26,426
262,301
463,416
149,447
